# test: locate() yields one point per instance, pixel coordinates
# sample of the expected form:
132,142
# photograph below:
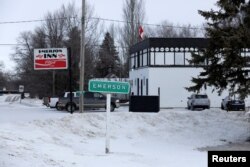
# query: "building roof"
170,42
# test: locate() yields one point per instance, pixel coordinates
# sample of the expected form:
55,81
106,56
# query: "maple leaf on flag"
141,34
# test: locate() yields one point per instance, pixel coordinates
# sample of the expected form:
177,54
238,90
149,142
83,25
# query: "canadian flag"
141,33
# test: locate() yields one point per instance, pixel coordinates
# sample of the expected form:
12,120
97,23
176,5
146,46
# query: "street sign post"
108,87
108,123
21,88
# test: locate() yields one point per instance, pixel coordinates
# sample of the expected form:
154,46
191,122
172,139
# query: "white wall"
142,74
172,83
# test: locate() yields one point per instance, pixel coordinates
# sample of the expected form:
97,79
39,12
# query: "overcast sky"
174,11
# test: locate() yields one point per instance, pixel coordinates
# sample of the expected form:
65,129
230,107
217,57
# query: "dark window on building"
147,87
141,87
138,86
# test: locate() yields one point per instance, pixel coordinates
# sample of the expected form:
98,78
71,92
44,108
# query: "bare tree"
169,30
2,77
112,29
7,80
134,15
61,29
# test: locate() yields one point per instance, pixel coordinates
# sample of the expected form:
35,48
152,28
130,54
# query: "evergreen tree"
228,31
107,60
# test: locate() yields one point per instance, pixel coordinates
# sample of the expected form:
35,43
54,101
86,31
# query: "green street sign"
109,87
79,92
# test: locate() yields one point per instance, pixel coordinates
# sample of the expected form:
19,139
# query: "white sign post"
108,87
108,123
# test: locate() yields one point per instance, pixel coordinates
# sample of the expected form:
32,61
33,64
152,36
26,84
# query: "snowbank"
50,138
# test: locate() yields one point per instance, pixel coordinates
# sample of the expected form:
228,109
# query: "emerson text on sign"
52,58
109,87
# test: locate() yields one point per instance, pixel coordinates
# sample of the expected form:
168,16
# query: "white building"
162,64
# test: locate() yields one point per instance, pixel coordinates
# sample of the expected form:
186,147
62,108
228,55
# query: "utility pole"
54,83
132,11
82,58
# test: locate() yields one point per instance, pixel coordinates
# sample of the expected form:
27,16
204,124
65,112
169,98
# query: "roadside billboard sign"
50,58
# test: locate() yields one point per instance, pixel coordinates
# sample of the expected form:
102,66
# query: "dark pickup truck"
91,100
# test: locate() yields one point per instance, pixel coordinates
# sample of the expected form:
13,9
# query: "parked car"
53,101
229,104
91,100
198,101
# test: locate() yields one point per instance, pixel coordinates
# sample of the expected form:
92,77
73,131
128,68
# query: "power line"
91,18
145,24
10,44
99,18
96,45
31,21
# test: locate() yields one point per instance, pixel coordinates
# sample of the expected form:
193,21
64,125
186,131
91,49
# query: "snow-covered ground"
34,135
